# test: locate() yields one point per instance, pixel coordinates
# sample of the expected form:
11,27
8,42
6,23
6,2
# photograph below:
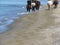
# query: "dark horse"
55,3
28,6
37,5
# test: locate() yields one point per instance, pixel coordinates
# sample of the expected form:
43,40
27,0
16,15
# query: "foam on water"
4,24
3,28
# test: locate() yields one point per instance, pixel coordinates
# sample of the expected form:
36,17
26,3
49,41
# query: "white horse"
33,4
49,4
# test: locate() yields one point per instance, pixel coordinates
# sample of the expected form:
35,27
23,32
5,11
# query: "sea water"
8,13
10,10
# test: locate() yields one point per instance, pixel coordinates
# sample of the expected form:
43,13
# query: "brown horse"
37,5
55,3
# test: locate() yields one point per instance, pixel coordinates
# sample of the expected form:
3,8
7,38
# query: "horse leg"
38,7
48,6
33,8
55,5
28,10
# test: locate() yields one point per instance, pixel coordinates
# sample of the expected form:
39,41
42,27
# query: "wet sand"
38,28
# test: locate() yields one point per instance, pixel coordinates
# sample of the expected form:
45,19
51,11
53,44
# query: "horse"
49,4
28,7
55,3
33,6
37,5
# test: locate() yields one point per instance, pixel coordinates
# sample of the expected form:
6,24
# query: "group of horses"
33,5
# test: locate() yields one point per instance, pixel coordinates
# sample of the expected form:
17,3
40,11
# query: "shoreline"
26,27
16,20
44,6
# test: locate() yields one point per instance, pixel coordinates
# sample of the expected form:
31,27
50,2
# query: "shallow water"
8,13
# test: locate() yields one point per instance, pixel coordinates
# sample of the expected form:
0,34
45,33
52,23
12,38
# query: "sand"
37,28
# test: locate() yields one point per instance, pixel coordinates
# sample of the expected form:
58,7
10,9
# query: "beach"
37,28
